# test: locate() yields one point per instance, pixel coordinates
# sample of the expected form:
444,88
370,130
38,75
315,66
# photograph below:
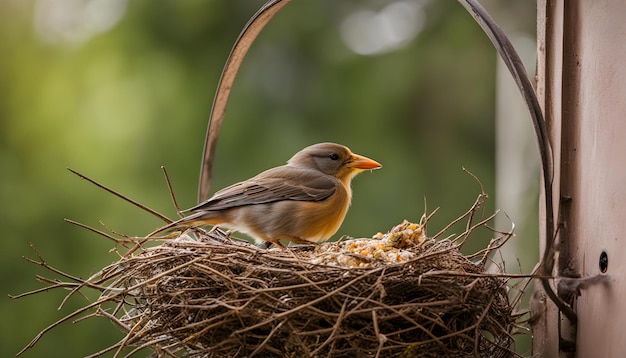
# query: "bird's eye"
333,156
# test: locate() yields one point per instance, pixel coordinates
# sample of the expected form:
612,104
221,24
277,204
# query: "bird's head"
333,159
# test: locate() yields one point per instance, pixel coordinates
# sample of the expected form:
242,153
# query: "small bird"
304,201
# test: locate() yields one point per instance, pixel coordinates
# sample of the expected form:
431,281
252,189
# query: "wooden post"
582,88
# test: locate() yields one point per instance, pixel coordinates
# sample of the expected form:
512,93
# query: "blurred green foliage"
119,104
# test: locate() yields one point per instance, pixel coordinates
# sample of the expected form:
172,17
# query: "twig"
121,196
479,200
101,233
171,191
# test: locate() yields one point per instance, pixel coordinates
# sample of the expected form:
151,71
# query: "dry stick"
228,279
53,284
272,332
409,319
482,195
121,276
166,349
171,190
301,343
221,344
468,232
133,337
205,305
522,290
469,288
342,313
477,325
509,232
152,342
500,328
470,228
139,243
114,346
76,289
296,286
135,350
216,321
101,233
501,348
129,336
97,303
129,239
320,312
433,254
457,220
308,304
45,265
316,332
494,245
141,206
121,196
67,317
120,306
114,319
480,200
381,337
152,236
340,317
479,275
103,351
305,278
460,332
482,189
398,307
426,218
393,308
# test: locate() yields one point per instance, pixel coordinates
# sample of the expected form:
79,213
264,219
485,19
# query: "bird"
304,201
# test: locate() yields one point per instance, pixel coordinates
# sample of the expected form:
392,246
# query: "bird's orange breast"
321,220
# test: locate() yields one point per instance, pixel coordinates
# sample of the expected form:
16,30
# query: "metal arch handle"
247,36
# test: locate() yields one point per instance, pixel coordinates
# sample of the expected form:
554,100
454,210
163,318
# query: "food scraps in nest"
390,247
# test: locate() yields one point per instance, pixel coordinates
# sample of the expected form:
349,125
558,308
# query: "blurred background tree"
117,88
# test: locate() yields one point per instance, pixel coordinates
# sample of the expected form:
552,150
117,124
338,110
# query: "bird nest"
403,294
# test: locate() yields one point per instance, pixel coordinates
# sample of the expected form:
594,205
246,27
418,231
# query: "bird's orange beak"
363,163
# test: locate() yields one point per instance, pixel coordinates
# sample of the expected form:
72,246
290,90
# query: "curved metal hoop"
237,54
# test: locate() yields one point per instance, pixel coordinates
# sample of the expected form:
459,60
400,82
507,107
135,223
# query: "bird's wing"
277,184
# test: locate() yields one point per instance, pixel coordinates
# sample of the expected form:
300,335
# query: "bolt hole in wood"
604,262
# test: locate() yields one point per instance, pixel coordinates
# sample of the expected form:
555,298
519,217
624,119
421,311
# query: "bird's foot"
277,243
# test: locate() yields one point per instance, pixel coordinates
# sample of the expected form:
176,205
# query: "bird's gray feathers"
282,183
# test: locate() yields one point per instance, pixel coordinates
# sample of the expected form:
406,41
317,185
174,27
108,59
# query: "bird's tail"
193,220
